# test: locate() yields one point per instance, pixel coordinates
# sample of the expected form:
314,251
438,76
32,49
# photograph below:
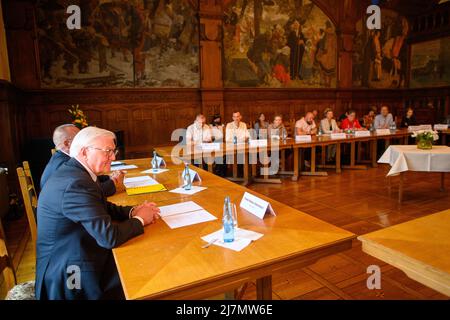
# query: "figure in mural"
152,43
296,41
275,43
376,55
379,58
326,55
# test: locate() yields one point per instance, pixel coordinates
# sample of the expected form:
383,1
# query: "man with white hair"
76,234
62,138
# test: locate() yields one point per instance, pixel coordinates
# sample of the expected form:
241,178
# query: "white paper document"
123,167
184,214
141,181
193,190
155,171
242,238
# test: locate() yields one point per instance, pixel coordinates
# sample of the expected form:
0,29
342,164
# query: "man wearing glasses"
62,138
76,233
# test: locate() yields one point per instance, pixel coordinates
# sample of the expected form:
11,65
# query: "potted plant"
78,117
425,138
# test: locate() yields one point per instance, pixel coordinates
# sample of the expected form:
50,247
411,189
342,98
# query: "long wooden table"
247,154
166,263
420,248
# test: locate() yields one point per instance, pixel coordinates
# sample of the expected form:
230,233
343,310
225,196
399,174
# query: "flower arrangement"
78,117
425,138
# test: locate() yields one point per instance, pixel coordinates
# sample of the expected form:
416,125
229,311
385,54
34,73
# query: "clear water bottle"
227,220
155,165
187,180
284,135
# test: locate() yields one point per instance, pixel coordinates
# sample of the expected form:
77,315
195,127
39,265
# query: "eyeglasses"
109,152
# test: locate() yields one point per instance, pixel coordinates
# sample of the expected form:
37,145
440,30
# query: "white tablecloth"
410,158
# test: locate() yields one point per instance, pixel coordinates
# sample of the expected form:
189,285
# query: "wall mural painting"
430,63
139,43
380,56
278,43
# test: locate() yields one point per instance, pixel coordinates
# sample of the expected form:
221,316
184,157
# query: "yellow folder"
146,189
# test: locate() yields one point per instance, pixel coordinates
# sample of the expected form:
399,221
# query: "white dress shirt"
240,132
196,133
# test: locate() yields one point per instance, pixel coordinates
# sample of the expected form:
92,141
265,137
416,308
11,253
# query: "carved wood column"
211,57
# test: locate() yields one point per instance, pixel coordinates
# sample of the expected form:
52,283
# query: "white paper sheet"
141,181
193,190
177,208
123,167
188,218
156,171
242,238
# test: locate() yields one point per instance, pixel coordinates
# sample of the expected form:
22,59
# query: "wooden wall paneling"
11,138
20,26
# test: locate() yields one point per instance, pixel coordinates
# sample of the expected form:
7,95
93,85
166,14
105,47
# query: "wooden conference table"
166,263
248,154
419,247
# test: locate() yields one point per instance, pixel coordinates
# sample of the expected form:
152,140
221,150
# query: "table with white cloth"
404,158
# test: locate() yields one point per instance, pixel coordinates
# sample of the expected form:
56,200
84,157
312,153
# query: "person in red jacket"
351,122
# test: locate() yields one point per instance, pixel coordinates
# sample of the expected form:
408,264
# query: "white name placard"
258,143
210,146
383,132
194,175
362,133
341,135
413,128
256,206
440,127
303,138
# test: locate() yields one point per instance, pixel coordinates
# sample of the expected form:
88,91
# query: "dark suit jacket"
75,229
59,158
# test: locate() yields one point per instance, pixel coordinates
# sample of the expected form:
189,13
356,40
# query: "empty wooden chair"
30,200
26,169
23,291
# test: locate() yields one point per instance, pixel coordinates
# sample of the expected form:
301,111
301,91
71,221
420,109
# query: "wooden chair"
29,198
26,169
23,291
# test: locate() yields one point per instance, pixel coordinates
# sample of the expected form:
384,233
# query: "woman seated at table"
409,119
351,123
277,129
329,125
370,118
261,126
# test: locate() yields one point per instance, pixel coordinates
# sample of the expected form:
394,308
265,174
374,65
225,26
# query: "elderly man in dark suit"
62,138
76,233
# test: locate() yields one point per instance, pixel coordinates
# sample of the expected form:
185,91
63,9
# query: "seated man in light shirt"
384,120
236,129
199,131
306,125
